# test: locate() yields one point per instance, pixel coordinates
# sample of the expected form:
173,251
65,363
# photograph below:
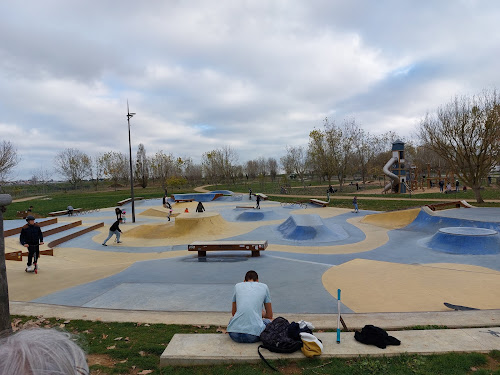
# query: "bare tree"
8,159
116,166
163,166
272,166
251,168
73,164
322,150
192,172
220,164
296,161
97,169
466,133
142,166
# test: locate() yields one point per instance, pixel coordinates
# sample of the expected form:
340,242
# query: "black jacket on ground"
31,235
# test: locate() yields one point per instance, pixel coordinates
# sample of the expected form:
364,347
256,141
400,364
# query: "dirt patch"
100,359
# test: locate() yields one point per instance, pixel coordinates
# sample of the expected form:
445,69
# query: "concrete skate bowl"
310,227
465,240
392,219
187,227
198,197
256,215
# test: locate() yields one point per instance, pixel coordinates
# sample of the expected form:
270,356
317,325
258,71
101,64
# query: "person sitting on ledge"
249,320
200,207
41,351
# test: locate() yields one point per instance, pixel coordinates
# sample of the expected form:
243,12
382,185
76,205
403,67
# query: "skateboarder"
114,229
355,203
168,206
31,237
258,201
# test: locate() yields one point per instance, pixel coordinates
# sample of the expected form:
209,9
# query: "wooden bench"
63,212
203,246
456,204
319,202
121,203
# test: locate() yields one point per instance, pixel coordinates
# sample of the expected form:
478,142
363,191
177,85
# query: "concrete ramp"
257,215
198,197
310,227
393,219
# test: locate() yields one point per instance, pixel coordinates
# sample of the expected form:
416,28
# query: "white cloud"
254,75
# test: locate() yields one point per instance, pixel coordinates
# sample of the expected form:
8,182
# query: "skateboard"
458,307
35,261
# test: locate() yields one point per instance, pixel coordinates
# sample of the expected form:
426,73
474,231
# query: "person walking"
457,186
31,237
114,229
168,206
441,186
258,201
355,203
250,194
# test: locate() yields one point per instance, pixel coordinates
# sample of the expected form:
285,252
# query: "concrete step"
211,349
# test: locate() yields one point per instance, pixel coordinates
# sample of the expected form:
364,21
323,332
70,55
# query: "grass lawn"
134,348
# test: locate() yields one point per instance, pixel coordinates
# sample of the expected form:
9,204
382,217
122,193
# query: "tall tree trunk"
5,326
477,193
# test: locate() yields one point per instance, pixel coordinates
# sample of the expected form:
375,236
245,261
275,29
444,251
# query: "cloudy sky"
254,75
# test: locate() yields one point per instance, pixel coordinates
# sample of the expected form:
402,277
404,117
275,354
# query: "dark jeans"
246,338
33,250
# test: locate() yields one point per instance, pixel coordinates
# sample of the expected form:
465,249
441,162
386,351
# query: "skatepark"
401,261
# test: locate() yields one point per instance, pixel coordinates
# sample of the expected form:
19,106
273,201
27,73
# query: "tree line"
462,137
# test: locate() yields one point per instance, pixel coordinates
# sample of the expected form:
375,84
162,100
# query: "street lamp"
129,115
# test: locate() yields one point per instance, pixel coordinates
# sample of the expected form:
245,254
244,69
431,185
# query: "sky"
254,75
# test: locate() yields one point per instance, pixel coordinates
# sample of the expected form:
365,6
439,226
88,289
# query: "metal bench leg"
202,253
256,253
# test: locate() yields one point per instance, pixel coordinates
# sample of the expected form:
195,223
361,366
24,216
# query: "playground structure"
397,173
403,180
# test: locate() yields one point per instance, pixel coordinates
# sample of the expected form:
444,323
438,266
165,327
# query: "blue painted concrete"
199,197
465,240
183,284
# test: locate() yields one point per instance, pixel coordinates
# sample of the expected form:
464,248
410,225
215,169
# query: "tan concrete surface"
210,349
374,286
392,219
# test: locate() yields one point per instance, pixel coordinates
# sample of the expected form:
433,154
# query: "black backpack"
275,339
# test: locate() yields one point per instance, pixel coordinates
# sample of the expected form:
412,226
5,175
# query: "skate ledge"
212,349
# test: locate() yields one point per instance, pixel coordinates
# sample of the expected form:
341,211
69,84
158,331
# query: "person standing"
114,229
355,203
441,186
31,237
457,184
168,206
249,320
118,213
258,201
250,193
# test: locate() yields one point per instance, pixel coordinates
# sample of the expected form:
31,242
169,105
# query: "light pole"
129,115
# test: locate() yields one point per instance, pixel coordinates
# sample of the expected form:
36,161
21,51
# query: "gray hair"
41,352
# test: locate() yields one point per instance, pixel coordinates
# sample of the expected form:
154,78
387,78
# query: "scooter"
35,261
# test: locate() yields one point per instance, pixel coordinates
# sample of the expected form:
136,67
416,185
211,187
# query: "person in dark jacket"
31,237
118,213
114,229
258,201
200,207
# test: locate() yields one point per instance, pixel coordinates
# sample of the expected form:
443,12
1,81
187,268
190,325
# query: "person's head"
41,351
120,219
251,276
30,219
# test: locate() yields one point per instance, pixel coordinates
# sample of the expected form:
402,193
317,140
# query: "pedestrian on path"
355,203
258,201
31,237
114,229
